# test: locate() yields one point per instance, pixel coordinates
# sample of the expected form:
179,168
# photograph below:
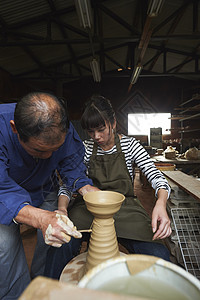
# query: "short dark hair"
41,114
98,111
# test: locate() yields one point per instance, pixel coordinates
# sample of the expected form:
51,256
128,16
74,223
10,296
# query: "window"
140,124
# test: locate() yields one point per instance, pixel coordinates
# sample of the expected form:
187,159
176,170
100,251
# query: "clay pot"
103,241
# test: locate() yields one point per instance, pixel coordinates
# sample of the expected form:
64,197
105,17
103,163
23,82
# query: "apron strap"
94,151
117,143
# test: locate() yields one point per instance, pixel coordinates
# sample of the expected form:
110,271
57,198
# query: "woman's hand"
160,219
87,188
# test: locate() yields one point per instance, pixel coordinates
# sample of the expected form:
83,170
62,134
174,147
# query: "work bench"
190,167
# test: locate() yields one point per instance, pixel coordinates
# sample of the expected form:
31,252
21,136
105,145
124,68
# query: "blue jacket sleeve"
12,196
72,168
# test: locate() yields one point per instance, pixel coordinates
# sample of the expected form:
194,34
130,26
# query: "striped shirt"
135,154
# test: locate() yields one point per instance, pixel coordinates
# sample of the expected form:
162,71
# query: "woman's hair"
98,111
41,114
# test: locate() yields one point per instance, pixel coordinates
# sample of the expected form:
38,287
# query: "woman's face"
102,135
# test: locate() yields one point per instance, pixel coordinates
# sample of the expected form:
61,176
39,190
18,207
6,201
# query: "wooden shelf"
196,97
189,130
177,117
193,108
190,117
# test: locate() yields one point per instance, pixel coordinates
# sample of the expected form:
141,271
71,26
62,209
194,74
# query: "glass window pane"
140,124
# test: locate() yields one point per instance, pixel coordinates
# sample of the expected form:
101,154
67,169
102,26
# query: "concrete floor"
142,189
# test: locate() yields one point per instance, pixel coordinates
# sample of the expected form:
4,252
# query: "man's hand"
56,227
61,232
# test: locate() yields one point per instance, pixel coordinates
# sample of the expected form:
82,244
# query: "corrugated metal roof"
39,36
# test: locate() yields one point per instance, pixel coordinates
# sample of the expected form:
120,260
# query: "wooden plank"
178,117
192,108
191,117
177,161
191,130
189,184
195,97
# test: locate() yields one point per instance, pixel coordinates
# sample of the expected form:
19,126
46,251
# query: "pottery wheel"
103,240
74,270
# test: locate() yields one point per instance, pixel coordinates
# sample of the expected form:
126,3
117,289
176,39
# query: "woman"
109,158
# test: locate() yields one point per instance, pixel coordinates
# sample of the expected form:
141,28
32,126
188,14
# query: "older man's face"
39,149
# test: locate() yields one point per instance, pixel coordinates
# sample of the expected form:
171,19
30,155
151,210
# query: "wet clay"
139,263
103,242
68,227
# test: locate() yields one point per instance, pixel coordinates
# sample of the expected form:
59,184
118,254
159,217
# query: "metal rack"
187,226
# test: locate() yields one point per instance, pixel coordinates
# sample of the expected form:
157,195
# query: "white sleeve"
143,161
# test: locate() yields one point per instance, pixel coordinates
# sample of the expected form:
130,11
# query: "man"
36,141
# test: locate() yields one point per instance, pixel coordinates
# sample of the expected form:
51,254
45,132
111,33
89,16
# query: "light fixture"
96,73
154,7
84,11
136,73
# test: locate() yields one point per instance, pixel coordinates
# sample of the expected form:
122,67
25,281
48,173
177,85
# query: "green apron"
109,172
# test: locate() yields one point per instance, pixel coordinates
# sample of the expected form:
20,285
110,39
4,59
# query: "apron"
109,172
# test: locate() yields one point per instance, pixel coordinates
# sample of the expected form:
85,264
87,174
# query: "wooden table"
188,166
177,161
189,184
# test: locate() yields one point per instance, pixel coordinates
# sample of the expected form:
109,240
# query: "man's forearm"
30,215
56,228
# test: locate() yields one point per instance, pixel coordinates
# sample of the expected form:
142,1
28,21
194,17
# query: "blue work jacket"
23,179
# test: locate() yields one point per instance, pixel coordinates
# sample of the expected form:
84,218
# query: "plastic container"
143,276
